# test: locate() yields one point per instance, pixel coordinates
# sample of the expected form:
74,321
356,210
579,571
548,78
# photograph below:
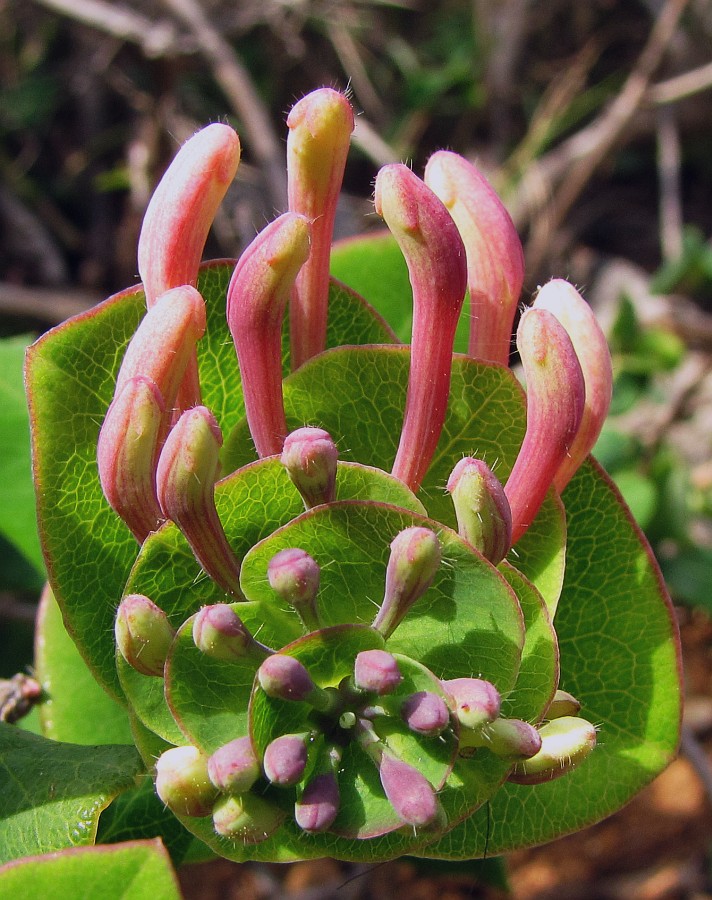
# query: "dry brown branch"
49,305
235,81
581,155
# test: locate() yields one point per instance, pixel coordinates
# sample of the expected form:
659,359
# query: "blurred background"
594,122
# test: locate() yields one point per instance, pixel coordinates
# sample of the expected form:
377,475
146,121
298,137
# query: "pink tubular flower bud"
435,256
284,677
143,634
495,260
285,759
185,481
565,743
310,455
484,518
182,781
256,300
425,713
320,127
127,451
178,219
376,671
164,343
414,560
475,701
234,768
295,576
408,791
562,300
318,805
219,632
555,404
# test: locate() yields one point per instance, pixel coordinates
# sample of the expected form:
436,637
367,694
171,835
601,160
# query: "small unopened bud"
234,768
426,713
408,791
309,455
284,677
435,256
475,701
512,738
182,781
563,300
484,518
376,671
285,759
295,576
563,704
143,634
565,743
246,818
555,405
414,560
127,452
185,480
320,127
219,632
256,299
495,260
318,805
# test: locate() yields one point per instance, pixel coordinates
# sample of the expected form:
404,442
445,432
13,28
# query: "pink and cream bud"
320,127
310,455
143,634
495,260
294,575
219,632
256,301
484,518
555,405
127,451
562,300
185,480
435,257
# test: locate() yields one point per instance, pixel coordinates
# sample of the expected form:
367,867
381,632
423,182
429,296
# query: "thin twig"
696,756
156,38
590,147
671,217
48,305
235,81
682,86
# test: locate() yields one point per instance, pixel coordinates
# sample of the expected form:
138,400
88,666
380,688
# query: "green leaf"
70,375
53,793
18,518
619,657
76,710
140,870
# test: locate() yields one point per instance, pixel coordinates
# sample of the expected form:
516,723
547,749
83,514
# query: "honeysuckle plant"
352,597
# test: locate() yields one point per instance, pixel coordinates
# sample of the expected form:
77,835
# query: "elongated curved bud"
310,455
425,713
285,759
495,259
320,127
318,805
565,743
295,576
219,632
183,207
164,343
414,560
185,480
563,704
256,300
376,671
182,781
563,300
143,634
435,256
246,818
234,768
555,403
127,451
484,518
475,702
177,220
